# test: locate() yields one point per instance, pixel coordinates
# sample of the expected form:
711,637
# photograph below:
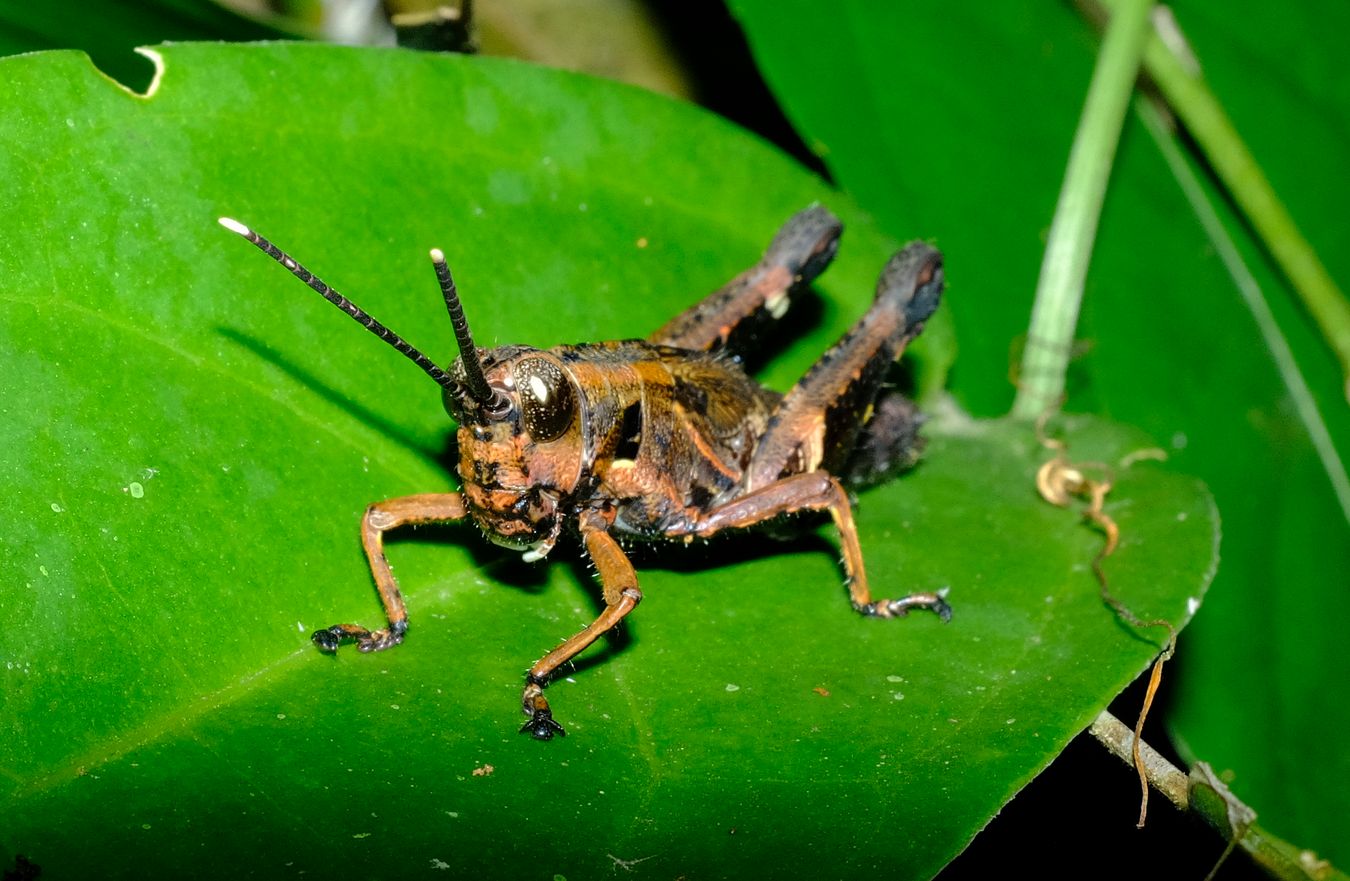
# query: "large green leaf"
960,118
190,436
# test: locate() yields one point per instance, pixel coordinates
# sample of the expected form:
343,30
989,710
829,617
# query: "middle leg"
817,491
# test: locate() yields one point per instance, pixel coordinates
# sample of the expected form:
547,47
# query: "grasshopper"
662,438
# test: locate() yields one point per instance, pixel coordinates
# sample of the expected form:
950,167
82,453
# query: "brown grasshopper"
662,438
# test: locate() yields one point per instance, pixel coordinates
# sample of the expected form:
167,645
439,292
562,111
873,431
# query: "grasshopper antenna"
362,317
477,384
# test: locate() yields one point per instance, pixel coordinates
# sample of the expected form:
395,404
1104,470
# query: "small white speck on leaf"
731,686
137,491
57,508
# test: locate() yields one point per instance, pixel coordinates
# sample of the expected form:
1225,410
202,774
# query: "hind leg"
889,442
818,422
734,315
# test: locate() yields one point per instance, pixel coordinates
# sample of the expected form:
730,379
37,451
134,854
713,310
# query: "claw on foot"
533,703
330,638
542,726
935,602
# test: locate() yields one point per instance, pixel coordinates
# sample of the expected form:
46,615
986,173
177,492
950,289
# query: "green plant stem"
1060,289
1202,793
1178,76
1305,403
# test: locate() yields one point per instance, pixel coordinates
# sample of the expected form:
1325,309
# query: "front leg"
619,587
817,491
379,519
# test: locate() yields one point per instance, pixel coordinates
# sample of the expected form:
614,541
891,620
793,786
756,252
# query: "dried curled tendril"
1060,481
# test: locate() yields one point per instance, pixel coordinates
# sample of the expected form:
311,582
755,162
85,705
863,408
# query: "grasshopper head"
518,411
519,447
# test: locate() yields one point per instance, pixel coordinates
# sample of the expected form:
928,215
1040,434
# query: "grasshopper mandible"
662,438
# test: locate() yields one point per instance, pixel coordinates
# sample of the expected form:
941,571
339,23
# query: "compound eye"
451,401
547,402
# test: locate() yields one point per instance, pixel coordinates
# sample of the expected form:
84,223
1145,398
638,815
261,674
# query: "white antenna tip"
437,255
235,226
